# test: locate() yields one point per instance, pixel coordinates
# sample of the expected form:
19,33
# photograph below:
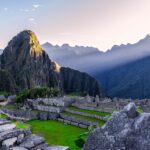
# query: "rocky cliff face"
30,66
126,130
26,61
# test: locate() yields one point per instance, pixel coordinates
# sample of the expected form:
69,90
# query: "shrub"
23,95
77,94
6,94
79,142
37,92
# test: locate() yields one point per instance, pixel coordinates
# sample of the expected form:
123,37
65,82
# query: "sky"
97,23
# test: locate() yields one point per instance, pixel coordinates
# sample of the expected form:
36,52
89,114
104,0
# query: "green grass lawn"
22,125
140,110
101,122
90,111
2,116
57,133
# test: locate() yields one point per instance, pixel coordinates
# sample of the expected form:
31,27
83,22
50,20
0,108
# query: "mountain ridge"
30,66
96,60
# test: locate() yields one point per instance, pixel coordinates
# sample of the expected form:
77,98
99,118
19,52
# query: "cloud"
31,19
5,9
36,5
24,10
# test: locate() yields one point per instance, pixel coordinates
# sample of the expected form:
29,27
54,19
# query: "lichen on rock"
126,130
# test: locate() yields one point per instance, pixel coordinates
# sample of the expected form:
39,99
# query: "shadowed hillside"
30,66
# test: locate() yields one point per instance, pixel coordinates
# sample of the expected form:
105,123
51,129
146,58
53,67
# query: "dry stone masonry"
12,138
126,130
54,105
109,105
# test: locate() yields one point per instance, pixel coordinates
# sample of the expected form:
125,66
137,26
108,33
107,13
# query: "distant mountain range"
75,57
123,71
90,59
131,80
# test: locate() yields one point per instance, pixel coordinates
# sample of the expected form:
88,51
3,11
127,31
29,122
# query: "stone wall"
78,120
85,114
12,138
111,105
68,122
102,109
29,115
54,105
57,101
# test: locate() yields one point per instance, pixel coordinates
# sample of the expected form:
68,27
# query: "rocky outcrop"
126,130
26,61
12,138
30,66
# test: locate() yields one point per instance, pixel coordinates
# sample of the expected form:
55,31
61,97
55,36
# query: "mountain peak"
31,38
147,36
25,41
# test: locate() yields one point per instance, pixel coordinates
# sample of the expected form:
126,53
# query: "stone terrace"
12,138
54,105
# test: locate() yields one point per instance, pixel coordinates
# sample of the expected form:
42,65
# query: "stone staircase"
12,138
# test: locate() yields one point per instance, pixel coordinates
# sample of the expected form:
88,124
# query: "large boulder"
126,130
2,98
11,99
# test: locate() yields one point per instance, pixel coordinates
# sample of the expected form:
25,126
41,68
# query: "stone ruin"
53,105
12,138
2,100
6,101
40,108
126,130
106,104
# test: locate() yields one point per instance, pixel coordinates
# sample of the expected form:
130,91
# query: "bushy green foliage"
7,82
6,94
37,92
77,94
140,109
23,95
82,137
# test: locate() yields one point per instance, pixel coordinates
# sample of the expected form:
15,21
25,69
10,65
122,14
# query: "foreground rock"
12,138
126,130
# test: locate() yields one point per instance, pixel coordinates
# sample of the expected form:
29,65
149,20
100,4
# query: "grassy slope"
90,111
56,133
101,122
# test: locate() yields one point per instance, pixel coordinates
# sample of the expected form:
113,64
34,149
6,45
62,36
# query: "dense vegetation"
37,92
131,80
7,82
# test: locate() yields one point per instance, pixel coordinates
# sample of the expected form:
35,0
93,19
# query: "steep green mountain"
30,66
131,80
7,82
